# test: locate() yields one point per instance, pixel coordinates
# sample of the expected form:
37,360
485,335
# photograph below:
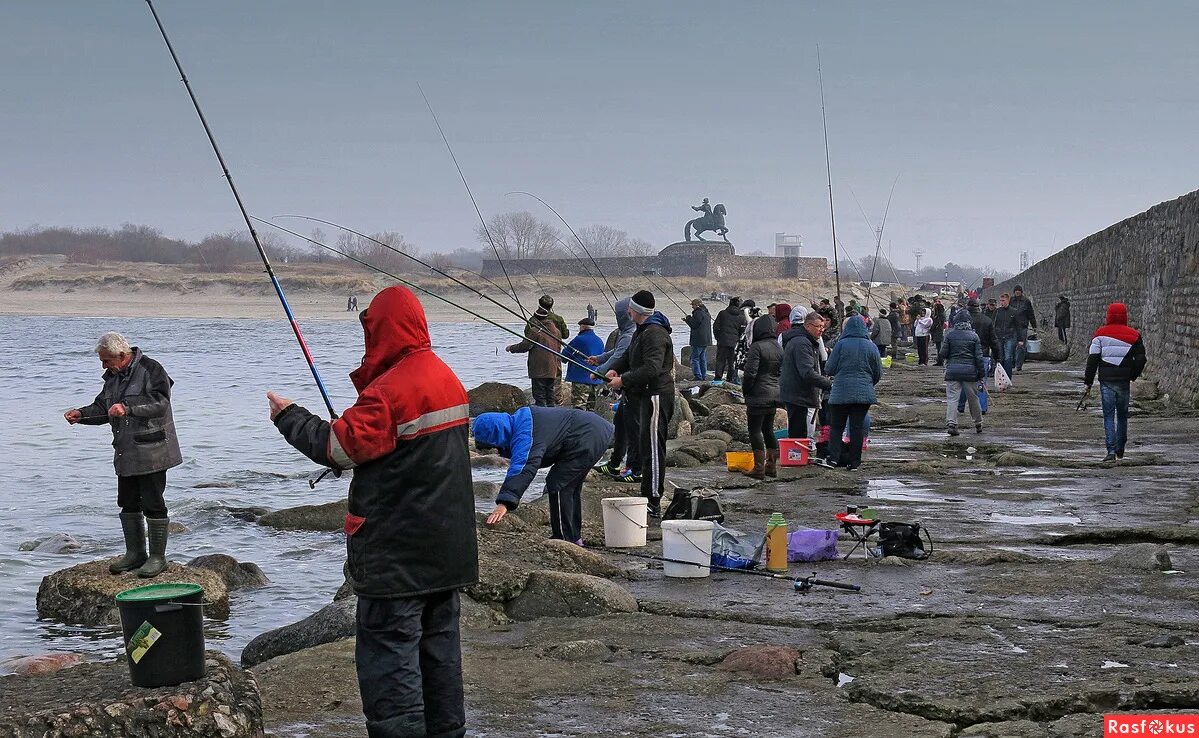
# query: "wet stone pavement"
1060,588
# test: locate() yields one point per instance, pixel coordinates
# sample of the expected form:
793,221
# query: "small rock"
176,528
323,518
42,663
486,490
589,650
489,462
763,662
558,594
1168,640
331,622
237,575
248,514
56,543
1014,458
1140,557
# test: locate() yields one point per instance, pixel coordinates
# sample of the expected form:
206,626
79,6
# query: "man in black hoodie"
727,329
646,371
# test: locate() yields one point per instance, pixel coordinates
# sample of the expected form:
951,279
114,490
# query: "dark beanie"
643,302
546,302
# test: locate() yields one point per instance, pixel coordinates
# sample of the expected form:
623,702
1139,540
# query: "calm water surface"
59,478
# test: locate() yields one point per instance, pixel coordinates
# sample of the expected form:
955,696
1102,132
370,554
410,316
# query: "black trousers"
564,486
410,666
838,453
761,429
922,349
726,363
626,443
142,493
545,392
655,414
797,420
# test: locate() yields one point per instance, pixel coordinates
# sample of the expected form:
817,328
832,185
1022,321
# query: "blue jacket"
627,328
580,347
855,366
533,438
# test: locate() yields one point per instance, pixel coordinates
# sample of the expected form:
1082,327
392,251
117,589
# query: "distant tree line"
521,235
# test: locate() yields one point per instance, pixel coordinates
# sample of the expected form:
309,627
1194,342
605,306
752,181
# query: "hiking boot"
978,427
772,460
1109,457
952,428
1120,453
157,561
133,526
759,470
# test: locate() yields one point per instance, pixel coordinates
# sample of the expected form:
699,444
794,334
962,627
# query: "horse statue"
711,220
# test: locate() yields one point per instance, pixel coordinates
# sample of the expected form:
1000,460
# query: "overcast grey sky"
1012,125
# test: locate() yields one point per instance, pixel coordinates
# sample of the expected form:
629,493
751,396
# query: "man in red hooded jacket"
411,523
1117,354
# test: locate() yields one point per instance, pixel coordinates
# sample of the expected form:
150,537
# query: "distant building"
787,245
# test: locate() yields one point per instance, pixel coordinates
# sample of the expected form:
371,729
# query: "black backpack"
903,540
697,504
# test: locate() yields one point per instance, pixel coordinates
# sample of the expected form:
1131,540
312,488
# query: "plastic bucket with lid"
687,540
625,521
1034,345
163,628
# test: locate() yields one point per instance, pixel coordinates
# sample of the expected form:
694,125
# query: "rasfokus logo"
1150,725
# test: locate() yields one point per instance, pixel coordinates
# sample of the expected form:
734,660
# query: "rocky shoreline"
1060,589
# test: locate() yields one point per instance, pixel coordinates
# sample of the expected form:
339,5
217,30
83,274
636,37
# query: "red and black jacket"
1117,351
411,523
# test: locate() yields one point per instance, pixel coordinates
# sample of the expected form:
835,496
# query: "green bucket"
163,629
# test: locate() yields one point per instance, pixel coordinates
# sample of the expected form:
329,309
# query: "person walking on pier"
135,403
1023,318
963,352
1061,317
1117,356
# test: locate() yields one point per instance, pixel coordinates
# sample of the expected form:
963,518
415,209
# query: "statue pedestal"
700,248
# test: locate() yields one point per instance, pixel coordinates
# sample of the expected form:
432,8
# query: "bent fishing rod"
572,232
587,271
879,246
802,584
482,221
684,295
526,318
266,262
666,294
412,285
828,168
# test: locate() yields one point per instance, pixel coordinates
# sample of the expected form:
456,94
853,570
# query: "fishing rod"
536,281
666,294
266,262
430,293
872,230
486,230
587,271
503,291
879,245
672,284
572,232
422,262
828,168
801,584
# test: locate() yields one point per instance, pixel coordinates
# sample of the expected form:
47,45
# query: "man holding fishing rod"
410,530
136,403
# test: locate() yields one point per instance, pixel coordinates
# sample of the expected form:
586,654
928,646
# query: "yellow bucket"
739,460
886,362
910,358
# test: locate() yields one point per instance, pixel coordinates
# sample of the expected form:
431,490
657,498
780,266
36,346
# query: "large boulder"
495,397
715,396
333,621
705,450
1051,348
86,594
682,419
728,418
236,574
96,699
328,517
54,543
559,594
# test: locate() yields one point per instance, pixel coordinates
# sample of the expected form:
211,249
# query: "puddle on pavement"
894,489
1035,519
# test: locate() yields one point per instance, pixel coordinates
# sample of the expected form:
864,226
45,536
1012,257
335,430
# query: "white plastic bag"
1002,380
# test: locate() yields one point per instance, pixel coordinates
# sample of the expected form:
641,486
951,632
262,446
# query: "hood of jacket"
762,329
855,327
961,320
393,326
624,323
495,430
658,319
782,311
1117,314
797,315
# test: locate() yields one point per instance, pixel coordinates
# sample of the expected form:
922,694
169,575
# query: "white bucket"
625,521
687,540
1034,345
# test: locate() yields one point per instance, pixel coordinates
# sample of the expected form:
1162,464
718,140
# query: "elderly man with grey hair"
136,404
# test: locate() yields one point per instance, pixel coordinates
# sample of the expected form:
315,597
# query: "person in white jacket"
922,328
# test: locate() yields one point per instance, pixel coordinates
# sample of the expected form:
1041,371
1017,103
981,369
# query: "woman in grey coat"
136,404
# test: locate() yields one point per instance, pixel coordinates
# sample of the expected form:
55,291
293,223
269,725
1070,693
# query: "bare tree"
602,240
520,235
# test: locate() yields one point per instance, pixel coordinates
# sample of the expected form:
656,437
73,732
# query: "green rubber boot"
158,548
133,525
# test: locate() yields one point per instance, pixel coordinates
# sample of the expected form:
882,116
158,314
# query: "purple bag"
811,544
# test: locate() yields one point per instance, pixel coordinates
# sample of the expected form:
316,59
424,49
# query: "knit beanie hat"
546,302
643,302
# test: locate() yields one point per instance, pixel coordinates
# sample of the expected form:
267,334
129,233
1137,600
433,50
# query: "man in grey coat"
135,403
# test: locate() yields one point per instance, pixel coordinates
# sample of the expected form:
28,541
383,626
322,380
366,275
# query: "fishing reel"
803,585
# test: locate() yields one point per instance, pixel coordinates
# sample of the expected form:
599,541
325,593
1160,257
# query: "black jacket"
1061,314
144,440
963,354
647,368
1022,312
938,330
986,333
801,381
700,321
728,326
1004,323
763,363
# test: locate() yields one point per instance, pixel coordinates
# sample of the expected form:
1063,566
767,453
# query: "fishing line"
471,195
572,232
446,300
295,327
666,294
879,246
828,168
801,584
587,271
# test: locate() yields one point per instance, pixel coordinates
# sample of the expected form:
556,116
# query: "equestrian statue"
711,220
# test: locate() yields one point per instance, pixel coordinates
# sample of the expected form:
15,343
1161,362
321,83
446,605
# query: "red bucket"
794,451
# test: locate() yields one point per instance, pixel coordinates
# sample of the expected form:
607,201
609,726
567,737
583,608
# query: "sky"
1004,126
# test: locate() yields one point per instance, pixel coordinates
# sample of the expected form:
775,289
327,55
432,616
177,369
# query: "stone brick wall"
1150,262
